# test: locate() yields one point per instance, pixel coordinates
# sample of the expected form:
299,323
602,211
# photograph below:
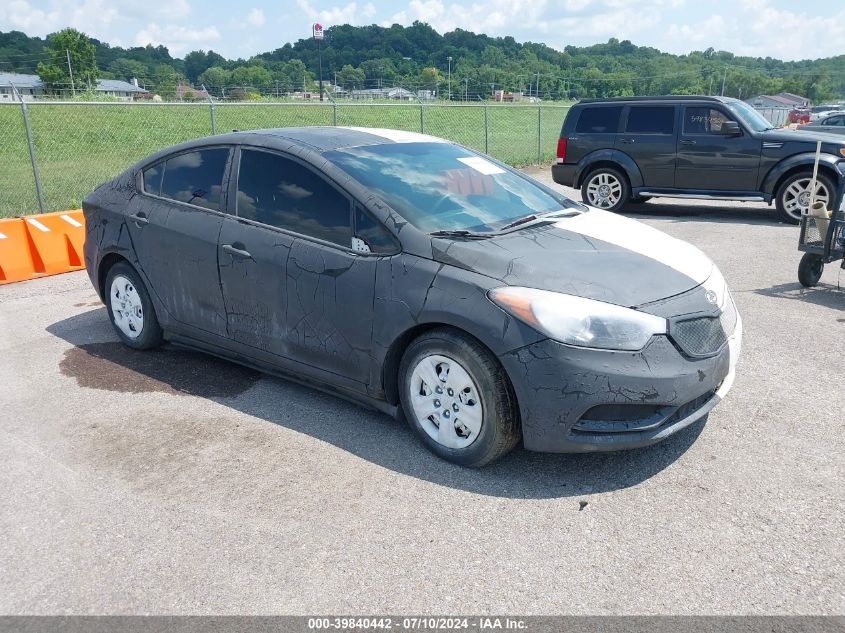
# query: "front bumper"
569,397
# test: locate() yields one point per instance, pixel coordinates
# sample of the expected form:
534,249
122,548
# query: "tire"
469,378
810,270
795,190
606,188
130,310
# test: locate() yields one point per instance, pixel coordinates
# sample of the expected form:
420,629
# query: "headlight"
578,321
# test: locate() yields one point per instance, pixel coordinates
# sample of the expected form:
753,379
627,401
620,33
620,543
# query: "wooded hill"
415,57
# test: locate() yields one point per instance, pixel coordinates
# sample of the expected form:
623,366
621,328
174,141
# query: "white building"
31,87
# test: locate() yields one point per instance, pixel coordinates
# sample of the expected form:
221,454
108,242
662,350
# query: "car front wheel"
458,399
793,196
605,188
130,309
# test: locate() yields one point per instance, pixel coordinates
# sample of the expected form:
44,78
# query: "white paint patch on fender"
398,136
643,240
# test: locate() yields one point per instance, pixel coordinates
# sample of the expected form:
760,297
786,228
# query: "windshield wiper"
460,233
534,217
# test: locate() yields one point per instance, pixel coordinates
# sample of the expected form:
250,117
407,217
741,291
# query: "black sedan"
418,277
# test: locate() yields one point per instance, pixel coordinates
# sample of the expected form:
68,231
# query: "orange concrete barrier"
39,245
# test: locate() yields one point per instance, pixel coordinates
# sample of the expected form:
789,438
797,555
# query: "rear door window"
599,120
280,192
651,120
703,120
196,177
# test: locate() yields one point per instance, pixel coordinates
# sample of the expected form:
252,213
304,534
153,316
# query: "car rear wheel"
810,270
605,188
793,196
130,310
458,399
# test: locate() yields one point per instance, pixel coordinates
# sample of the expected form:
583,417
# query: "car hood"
597,255
831,143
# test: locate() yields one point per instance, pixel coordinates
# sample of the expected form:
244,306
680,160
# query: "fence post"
486,126
334,108
539,131
35,172
213,116
422,116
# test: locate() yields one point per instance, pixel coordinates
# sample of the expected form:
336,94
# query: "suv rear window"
599,120
651,120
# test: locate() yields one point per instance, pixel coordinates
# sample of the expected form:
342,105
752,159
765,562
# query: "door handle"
627,141
687,141
236,252
139,218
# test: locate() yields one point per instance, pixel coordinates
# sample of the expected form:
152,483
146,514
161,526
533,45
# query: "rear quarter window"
599,120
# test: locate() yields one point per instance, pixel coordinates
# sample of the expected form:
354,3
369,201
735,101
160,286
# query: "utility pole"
70,72
449,59
537,93
466,89
724,78
710,89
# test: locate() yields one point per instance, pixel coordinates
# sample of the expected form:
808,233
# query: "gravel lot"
170,482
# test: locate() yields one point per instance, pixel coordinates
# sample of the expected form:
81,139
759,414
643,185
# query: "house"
185,92
31,87
120,89
780,100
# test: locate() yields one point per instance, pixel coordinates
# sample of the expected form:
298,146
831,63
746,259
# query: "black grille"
704,336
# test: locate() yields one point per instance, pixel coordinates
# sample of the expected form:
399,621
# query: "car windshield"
751,117
446,187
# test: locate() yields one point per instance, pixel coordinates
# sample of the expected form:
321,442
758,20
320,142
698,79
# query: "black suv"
636,148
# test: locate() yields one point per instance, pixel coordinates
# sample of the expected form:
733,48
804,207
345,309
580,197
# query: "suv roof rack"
662,98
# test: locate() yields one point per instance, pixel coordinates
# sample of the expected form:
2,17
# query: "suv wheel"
793,196
605,188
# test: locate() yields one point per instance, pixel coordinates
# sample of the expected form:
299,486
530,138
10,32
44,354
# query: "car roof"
665,98
324,139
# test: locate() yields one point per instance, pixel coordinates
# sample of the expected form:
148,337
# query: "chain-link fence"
76,146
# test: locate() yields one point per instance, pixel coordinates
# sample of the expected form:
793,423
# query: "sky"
785,29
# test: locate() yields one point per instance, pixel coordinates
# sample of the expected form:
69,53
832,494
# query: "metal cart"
822,240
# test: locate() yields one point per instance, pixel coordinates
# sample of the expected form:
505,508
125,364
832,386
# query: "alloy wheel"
604,190
796,197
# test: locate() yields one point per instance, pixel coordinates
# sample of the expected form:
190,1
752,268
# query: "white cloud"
179,39
255,18
758,29
347,14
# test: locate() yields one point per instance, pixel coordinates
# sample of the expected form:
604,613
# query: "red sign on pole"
317,31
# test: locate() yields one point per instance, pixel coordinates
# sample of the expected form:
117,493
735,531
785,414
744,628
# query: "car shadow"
685,212
824,294
98,360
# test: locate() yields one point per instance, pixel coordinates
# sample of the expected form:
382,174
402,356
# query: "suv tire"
606,188
794,193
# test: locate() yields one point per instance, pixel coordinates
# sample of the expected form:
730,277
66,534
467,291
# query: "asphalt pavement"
170,482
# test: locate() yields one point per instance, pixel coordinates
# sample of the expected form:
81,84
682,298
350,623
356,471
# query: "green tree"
252,76
68,45
215,78
126,69
350,77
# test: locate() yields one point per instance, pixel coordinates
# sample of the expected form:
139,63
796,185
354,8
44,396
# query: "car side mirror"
730,128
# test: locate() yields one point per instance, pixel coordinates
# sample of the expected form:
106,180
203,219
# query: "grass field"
78,146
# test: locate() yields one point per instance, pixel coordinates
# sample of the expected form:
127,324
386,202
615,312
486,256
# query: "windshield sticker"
482,166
